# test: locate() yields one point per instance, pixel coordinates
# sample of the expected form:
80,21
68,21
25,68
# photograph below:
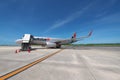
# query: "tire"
58,46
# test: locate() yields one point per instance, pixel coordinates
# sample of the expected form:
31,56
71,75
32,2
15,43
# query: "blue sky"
60,18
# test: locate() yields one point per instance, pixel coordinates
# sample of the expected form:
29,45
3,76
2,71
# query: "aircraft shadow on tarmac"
65,47
78,47
32,49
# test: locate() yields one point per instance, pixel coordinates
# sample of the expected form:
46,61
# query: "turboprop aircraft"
28,40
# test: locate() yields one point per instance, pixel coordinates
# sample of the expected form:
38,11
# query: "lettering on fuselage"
40,39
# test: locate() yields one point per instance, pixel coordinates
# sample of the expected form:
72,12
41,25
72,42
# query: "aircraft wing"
63,41
71,40
83,37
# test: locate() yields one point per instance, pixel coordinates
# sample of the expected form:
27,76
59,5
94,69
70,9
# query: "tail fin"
74,35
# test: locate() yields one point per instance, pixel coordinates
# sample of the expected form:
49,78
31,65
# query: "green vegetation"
102,44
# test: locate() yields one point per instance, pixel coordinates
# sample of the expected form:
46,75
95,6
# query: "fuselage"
43,40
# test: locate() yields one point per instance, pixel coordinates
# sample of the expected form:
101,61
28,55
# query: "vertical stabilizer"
74,35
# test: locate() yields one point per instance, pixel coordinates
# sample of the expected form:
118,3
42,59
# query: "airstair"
26,40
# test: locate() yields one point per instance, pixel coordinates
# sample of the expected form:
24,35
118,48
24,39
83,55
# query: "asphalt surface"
71,63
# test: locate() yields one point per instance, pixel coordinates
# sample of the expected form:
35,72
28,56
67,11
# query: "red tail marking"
74,36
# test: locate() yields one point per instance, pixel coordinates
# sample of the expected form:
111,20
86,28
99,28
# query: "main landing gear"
58,45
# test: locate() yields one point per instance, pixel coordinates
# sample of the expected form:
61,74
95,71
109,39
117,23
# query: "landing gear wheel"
58,46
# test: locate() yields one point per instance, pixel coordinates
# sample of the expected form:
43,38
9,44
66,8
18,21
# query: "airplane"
28,40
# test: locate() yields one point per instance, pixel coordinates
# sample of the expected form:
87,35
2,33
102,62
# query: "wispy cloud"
69,18
79,13
106,21
114,18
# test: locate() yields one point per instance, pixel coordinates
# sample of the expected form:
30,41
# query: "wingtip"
90,33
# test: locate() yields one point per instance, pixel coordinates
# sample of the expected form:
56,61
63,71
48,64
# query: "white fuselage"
44,40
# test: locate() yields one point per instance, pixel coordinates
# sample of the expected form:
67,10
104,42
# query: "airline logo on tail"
74,35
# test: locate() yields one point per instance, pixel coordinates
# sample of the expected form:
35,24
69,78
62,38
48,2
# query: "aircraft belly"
66,42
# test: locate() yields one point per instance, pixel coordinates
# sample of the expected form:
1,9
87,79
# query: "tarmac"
67,63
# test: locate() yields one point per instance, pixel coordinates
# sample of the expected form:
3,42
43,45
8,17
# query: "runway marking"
12,73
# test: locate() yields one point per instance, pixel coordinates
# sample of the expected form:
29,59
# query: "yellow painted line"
10,74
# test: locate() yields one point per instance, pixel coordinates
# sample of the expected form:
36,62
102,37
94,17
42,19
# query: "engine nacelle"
50,45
